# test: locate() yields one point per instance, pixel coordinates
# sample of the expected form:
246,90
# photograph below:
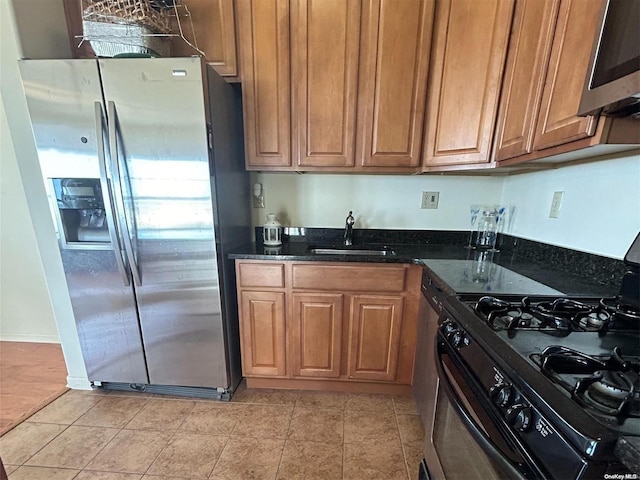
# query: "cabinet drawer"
270,275
349,277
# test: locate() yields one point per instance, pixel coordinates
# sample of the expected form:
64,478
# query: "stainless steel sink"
350,251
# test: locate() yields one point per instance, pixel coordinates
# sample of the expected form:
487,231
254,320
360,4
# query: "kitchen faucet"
348,229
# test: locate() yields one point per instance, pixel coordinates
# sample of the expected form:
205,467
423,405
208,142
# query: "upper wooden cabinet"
73,17
469,49
325,46
266,83
356,81
557,123
212,27
548,58
527,60
547,62
394,63
403,86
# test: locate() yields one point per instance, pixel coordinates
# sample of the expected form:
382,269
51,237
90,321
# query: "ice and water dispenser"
81,210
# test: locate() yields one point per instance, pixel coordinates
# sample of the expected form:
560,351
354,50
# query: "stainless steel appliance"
612,84
537,387
143,162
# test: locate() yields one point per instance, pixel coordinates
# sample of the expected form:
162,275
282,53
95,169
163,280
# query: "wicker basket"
115,27
110,39
127,12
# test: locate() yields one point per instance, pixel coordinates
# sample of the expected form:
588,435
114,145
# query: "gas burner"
501,315
613,391
610,385
510,319
558,315
627,316
594,320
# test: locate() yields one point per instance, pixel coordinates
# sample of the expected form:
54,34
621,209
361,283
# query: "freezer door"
65,103
157,109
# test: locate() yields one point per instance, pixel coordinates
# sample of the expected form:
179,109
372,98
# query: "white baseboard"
78,383
29,338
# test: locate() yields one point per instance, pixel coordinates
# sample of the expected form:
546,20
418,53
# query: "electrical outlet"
258,202
258,195
555,205
430,199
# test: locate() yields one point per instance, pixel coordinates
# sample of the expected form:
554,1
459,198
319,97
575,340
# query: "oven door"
468,442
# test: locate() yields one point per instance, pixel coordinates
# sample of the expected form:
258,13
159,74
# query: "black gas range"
558,377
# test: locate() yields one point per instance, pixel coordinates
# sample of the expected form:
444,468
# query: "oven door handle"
478,434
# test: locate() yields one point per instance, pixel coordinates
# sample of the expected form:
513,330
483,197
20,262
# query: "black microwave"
612,84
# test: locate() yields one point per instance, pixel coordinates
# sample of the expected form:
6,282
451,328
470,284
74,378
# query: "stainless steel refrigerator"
143,162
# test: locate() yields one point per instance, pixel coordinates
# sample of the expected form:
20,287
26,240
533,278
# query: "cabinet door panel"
527,59
570,55
266,90
262,327
469,51
214,21
374,341
316,335
263,275
393,81
324,56
337,277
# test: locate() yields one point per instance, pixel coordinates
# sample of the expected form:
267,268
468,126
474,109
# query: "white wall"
19,125
600,210
25,309
42,28
377,201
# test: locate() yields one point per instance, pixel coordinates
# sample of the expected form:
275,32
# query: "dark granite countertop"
463,270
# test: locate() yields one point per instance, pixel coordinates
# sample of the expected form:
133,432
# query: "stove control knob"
448,327
502,395
455,338
519,416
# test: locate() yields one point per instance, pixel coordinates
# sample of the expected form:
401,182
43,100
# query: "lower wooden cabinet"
316,334
262,330
374,339
327,322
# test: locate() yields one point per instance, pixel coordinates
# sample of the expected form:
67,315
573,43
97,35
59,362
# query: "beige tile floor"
261,434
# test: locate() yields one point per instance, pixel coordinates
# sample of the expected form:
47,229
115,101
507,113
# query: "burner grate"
561,315
609,384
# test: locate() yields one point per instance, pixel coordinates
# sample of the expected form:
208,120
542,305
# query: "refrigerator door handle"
119,197
107,197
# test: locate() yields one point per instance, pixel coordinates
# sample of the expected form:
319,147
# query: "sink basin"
350,251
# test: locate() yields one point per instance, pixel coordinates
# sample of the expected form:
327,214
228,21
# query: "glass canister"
482,266
487,231
272,231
